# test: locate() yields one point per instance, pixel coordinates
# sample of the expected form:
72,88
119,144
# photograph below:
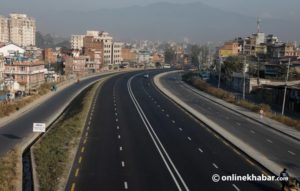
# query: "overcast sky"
44,10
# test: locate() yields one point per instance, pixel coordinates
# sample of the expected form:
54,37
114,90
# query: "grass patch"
10,170
229,97
54,152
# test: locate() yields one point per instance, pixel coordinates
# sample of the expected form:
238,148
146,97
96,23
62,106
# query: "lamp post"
285,88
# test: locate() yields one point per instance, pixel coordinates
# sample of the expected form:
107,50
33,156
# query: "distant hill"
165,21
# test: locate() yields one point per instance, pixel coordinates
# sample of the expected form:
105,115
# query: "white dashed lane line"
180,129
173,121
238,123
119,136
292,153
167,115
268,140
236,188
118,127
200,150
121,148
253,132
126,185
189,138
123,164
215,165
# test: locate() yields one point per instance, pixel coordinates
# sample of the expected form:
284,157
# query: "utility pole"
220,66
244,75
285,88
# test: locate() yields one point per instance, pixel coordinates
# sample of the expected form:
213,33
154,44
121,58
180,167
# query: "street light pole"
258,70
285,88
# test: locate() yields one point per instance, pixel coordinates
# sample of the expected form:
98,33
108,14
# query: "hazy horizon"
48,21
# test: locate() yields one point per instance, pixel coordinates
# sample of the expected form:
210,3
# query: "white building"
117,53
22,30
11,50
77,42
1,69
4,34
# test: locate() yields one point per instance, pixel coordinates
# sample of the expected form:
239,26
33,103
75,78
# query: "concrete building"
1,69
129,55
11,50
117,53
77,42
29,74
22,30
4,32
230,48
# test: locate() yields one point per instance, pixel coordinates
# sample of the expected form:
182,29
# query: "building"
4,32
129,55
230,48
1,69
116,53
49,56
22,30
76,65
11,50
281,49
29,74
77,42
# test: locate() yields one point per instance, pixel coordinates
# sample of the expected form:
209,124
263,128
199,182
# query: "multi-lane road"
137,139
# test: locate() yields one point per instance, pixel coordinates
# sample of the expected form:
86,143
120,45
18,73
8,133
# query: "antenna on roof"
258,24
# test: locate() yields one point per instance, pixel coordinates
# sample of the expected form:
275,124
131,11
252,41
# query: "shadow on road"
10,136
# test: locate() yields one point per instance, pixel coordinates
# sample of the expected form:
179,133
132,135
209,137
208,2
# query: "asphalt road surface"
17,130
137,139
274,145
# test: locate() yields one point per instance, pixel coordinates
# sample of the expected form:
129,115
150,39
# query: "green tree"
169,55
195,51
232,64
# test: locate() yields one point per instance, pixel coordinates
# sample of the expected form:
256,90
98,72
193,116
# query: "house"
10,50
29,74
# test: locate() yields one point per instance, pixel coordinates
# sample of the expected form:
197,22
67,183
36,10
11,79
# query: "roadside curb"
244,147
293,133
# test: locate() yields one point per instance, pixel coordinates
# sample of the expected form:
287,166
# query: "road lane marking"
173,121
117,119
82,149
116,114
269,141
159,146
79,160
73,187
118,127
168,115
163,110
253,132
215,165
237,188
292,153
86,134
225,143
77,172
89,122
123,164
236,151
121,148
84,141
189,138
119,136
180,129
158,105
115,109
125,185
200,150
238,123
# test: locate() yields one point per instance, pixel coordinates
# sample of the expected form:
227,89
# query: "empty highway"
137,139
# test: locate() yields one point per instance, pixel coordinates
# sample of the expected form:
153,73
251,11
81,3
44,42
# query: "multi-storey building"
1,68
77,42
230,48
30,74
4,32
129,55
116,53
22,30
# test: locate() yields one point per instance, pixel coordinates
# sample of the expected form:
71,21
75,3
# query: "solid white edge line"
151,131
